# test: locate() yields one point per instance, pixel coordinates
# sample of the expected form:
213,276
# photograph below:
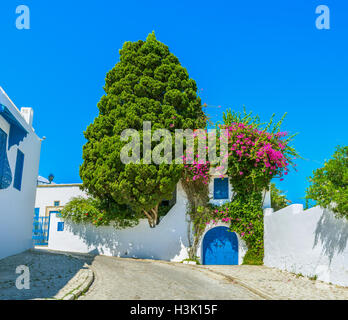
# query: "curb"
258,292
82,288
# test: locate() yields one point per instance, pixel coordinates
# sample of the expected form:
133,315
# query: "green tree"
329,184
147,84
91,210
278,198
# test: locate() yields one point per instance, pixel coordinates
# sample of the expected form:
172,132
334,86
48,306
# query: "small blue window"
221,188
37,212
60,226
17,184
5,171
56,203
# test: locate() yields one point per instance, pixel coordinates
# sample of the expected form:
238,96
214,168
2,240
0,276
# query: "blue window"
60,226
5,171
56,203
221,188
17,184
37,212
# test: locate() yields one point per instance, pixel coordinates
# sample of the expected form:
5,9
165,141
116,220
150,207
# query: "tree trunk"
152,216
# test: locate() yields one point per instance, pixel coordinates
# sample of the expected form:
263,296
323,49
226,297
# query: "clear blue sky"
266,55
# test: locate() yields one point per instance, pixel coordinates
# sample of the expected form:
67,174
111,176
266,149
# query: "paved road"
129,279
49,274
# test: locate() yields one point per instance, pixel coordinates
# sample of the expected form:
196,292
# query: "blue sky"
266,55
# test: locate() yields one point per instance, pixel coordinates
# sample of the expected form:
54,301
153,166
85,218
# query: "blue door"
220,247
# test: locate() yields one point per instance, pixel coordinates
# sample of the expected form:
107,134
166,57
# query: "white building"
168,241
19,164
310,242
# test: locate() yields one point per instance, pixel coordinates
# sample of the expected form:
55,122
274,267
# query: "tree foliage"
278,198
95,211
329,184
147,84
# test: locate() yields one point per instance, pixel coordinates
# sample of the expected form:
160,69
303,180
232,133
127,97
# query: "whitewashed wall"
311,242
168,241
17,207
46,195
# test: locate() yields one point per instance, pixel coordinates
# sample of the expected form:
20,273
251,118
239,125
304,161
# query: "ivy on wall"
257,153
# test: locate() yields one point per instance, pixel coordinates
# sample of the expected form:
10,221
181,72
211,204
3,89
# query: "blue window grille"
221,188
17,184
41,226
60,226
5,171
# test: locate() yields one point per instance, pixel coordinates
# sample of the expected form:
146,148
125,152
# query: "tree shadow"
332,232
141,242
49,273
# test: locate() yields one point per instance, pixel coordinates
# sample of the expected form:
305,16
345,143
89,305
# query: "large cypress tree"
147,84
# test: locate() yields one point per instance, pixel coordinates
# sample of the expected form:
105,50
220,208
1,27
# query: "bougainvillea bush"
256,154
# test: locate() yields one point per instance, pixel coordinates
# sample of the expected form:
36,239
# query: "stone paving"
136,279
52,275
65,276
281,285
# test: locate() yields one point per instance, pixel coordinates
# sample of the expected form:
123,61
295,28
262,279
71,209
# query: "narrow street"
127,279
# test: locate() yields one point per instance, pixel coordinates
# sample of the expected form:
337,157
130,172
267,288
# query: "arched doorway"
220,247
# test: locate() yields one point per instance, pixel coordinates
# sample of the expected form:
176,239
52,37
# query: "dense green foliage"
257,153
147,84
91,210
245,214
329,184
278,198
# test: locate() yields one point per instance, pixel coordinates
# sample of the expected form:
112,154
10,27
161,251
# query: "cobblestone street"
52,275
61,275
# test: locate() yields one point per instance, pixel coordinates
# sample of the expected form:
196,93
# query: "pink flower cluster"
253,148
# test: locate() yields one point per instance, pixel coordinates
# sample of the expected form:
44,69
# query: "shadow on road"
49,272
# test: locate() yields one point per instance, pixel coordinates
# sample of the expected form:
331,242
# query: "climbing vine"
256,155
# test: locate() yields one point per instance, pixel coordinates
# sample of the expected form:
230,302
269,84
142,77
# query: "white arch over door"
242,247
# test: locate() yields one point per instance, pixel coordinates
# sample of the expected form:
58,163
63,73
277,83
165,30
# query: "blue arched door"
220,247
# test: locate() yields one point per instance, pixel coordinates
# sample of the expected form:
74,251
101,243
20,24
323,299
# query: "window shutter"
5,171
60,226
221,188
17,184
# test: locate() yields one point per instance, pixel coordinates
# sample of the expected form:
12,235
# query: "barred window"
5,170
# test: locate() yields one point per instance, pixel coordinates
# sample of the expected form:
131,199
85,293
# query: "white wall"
168,241
311,242
46,195
17,207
